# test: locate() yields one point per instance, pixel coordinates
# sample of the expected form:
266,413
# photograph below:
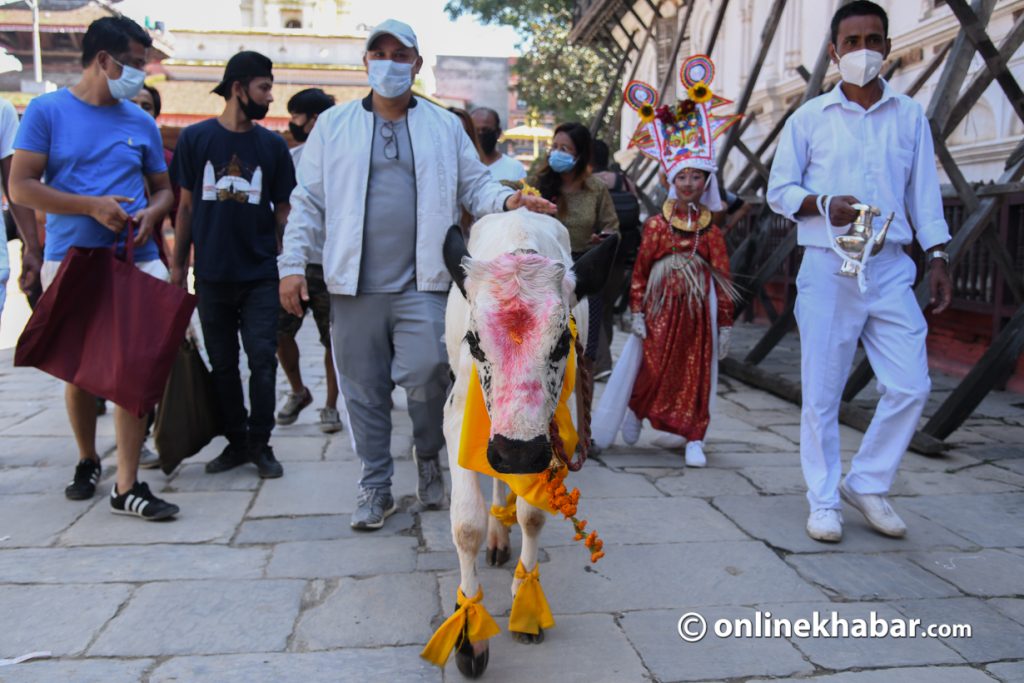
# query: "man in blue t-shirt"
96,151
236,178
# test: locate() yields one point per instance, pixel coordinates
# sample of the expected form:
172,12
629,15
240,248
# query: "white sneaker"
695,454
876,510
631,426
825,525
667,440
148,460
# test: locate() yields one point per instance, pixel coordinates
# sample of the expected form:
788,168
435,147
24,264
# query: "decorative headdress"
682,136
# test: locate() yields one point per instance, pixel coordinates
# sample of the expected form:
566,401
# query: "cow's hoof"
498,556
529,638
471,665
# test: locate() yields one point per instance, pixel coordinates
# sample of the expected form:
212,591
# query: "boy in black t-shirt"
236,178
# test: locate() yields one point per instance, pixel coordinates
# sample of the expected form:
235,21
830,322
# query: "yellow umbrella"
527,133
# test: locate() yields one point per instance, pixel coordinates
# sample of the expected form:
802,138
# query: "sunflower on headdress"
699,92
646,112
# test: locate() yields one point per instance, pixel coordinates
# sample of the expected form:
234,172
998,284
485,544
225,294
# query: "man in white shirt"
860,143
488,130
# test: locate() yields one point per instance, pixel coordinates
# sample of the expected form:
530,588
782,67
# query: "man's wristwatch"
938,253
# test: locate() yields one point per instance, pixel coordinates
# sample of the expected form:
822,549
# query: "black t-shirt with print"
235,180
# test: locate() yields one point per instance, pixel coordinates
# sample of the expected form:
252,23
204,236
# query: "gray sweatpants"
381,340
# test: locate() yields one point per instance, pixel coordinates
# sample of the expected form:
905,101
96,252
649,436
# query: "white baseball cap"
401,31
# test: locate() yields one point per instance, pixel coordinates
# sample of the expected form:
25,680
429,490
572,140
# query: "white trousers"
833,315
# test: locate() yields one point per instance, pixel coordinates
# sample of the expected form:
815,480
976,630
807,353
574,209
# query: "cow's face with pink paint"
519,338
518,335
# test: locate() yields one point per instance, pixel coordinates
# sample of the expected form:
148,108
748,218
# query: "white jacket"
328,206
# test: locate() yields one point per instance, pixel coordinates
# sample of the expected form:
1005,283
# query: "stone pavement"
264,580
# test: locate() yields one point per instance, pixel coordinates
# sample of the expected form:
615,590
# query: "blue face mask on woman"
561,162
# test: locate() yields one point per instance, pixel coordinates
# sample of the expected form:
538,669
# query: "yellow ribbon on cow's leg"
506,514
471,617
530,611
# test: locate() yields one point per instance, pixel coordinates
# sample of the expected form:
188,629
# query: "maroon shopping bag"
107,328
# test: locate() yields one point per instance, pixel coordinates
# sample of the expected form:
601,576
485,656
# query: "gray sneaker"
148,460
330,420
293,405
430,490
372,508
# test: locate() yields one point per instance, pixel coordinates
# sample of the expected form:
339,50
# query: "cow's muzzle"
512,456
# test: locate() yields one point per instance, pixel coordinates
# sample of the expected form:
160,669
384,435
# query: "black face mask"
298,132
253,111
488,141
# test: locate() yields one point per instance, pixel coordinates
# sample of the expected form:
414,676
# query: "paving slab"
393,609
203,617
923,674
705,483
654,634
135,563
313,528
364,556
568,654
853,576
1009,672
381,664
595,481
77,671
191,476
849,652
206,517
627,521
910,483
38,519
1011,607
780,522
776,480
34,478
993,636
674,575
991,521
988,573
31,609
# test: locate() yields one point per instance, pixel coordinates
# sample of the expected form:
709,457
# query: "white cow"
510,316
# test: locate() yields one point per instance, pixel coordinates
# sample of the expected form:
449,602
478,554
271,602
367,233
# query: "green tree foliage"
568,81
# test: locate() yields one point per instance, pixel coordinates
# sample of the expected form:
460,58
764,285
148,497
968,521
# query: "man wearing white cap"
380,182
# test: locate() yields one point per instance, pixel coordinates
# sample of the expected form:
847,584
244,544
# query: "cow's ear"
454,252
593,267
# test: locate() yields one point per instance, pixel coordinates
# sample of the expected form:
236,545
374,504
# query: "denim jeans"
225,309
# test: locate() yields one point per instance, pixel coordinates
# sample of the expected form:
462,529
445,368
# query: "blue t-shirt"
236,180
92,151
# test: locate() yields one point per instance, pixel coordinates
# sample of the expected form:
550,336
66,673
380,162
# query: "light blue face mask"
561,162
389,78
128,84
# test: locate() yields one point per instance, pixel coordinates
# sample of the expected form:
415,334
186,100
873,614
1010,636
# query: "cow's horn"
455,251
593,267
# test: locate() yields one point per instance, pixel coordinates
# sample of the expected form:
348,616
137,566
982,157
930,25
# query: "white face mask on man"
389,78
860,67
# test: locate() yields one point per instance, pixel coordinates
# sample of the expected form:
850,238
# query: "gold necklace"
703,221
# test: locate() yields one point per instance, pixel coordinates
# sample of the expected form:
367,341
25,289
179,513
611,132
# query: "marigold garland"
567,503
529,190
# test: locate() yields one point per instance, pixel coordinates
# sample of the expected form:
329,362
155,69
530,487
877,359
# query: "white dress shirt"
883,156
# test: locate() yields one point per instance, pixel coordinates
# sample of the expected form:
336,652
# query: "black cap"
247,64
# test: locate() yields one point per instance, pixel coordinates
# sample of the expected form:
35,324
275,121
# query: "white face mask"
128,84
389,78
860,67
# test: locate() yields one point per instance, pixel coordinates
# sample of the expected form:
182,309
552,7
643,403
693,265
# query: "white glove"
638,327
724,337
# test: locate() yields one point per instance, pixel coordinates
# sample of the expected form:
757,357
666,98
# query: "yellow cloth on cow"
530,611
506,514
476,433
472,617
